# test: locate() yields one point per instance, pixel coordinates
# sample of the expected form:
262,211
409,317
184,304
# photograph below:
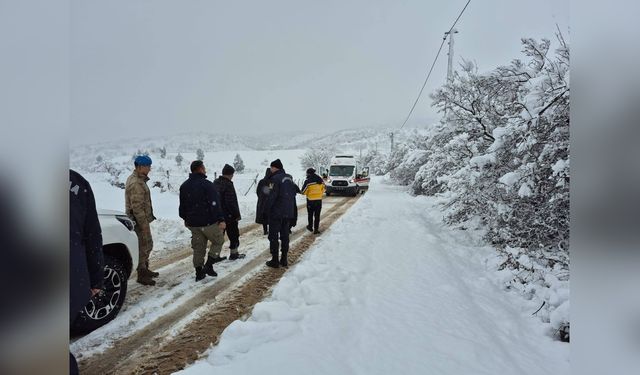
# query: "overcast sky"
159,67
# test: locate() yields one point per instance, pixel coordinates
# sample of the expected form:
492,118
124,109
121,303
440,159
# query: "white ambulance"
346,176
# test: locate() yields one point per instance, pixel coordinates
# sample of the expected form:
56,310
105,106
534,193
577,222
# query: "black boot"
200,274
283,260
309,228
208,267
235,256
274,261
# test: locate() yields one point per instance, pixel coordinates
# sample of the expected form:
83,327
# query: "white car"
120,248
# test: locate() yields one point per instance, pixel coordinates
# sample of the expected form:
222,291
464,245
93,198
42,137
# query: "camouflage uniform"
138,208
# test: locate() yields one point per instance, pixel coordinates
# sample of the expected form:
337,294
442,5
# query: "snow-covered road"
388,290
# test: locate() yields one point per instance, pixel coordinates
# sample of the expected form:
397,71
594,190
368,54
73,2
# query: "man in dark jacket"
263,192
201,211
231,209
281,207
86,264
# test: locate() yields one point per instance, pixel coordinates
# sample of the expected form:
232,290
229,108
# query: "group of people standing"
210,209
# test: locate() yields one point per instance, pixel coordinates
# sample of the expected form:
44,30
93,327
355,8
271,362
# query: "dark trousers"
313,210
73,365
279,229
233,233
265,227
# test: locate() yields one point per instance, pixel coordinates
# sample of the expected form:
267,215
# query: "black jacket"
228,198
281,203
262,191
86,263
199,202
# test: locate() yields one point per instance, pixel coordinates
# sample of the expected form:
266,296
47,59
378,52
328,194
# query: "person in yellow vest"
313,188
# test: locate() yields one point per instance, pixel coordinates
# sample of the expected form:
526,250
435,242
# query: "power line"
433,65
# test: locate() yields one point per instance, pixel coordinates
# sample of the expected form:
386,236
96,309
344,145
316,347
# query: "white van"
346,176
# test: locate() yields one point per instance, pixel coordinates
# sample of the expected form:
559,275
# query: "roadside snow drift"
388,290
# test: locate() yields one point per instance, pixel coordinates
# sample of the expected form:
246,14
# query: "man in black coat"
262,190
201,210
231,209
281,207
86,262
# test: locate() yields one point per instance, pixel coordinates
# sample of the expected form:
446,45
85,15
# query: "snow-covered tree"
163,152
317,158
179,159
199,154
238,164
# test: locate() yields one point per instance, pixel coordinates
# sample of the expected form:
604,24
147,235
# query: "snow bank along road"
162,328
389,290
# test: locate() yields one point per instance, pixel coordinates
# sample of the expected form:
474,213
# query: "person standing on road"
138,207
281,206
231,209
86,261
313,188
263,192
201,210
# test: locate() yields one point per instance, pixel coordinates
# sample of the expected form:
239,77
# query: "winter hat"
142,160
196,164
311,171
277,163
228,170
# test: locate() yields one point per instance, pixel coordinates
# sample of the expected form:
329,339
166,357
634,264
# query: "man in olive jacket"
231,209
138,207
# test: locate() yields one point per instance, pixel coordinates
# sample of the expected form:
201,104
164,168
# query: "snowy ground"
389,290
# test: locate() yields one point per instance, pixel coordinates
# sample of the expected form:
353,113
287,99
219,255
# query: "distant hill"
349,140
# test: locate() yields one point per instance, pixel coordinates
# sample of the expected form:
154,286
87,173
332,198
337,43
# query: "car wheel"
104,306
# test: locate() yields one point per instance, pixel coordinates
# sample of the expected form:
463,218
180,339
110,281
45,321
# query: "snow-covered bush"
238,164
199,154
376,161
405,172
179,158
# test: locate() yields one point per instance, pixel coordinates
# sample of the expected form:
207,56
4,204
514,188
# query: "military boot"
153,274
144,278
283,259
200,274
235,256
208,267
273,263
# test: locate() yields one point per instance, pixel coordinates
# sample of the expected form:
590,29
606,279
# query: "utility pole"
391,135
449,64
